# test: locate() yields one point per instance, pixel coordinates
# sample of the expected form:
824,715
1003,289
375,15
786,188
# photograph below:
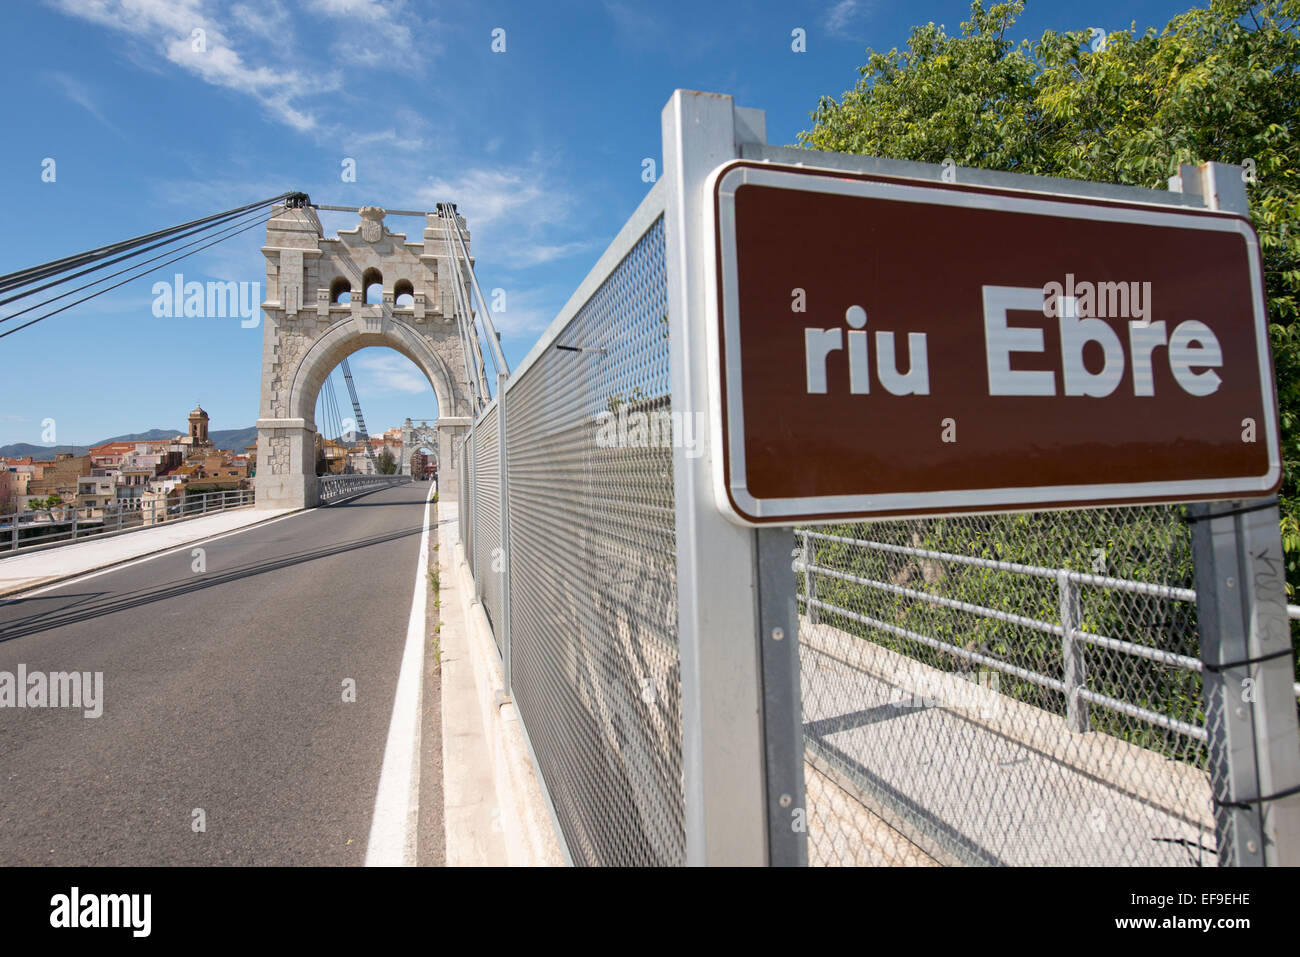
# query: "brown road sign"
898,347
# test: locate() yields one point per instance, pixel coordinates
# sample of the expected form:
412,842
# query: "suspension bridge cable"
34,273
467,303
55,312
462,321
112,262
356,408
498,357
466,308
259,216
330,413
335,410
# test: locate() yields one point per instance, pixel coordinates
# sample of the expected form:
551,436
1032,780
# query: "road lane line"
392,837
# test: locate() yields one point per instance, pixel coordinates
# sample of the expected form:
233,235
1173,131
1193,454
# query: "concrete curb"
518,818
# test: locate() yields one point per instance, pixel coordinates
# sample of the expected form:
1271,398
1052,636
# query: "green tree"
387,465
1217,83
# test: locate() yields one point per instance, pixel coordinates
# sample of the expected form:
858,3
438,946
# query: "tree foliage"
1218,83
387,465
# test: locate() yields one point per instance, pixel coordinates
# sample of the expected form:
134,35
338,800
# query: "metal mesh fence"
593,570
465,487
486,502
1010,689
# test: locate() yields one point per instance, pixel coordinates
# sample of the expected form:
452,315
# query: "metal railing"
1074,638
331,488
570,538
64,524
959,673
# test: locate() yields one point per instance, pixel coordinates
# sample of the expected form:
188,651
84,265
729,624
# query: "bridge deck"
223,690
993,781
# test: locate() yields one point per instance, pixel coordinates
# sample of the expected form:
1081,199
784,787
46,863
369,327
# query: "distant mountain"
20,450
233,439
153,435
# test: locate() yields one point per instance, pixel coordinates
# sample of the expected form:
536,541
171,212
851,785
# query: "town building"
58,477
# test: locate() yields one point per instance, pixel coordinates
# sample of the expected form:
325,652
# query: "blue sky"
541,146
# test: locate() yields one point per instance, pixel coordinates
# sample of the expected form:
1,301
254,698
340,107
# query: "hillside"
233,439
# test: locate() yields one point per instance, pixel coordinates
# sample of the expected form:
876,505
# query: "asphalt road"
223,691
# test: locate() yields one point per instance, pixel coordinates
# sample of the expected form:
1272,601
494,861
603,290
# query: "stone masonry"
308,332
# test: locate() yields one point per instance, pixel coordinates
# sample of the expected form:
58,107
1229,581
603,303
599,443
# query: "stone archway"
419,436
308,332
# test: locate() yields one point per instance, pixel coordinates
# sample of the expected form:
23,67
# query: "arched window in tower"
372,281
340,290
404,293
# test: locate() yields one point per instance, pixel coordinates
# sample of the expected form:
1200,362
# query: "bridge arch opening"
340,290
404,294
388,385
372,281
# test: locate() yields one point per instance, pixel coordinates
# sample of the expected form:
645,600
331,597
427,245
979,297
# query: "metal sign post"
1246,650
731,704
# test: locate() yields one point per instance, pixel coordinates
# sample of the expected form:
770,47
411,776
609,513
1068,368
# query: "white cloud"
485,196
517,210
80,94
538,254
388,138
267,17
169,28
845,15
385,374
375,32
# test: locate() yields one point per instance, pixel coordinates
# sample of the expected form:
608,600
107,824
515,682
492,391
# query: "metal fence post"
473,558
723,696
1250,710
778,628
1246,650
1073,665
809,577
504,497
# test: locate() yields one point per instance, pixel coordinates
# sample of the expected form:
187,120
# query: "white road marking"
392,835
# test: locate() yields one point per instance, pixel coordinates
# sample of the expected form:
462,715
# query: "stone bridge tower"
414,436
317,314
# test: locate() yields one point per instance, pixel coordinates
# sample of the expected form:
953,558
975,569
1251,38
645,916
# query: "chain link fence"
487,519
593,649
1004,689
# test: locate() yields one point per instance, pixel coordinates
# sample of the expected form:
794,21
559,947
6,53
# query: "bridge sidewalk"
495,811
26,570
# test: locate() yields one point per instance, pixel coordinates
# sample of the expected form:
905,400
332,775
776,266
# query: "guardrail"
64,524
331,488
1074,640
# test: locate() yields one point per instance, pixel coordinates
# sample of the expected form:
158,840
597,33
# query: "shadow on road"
86,606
